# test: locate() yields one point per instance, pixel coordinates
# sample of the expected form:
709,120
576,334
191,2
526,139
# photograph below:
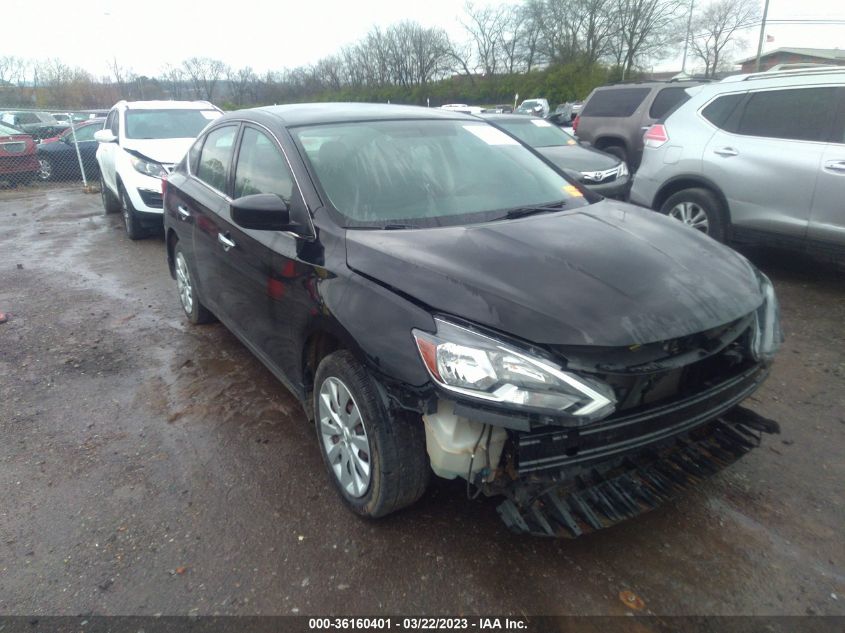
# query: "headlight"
622,170
148,167
469,363
768,336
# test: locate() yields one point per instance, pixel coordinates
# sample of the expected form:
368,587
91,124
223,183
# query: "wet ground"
147,466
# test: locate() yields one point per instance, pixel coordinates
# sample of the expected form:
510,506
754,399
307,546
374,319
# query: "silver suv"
754,158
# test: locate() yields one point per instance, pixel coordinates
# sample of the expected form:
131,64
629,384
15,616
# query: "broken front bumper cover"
594,500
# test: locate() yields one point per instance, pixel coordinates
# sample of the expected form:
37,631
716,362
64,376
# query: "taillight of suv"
575,124
656,135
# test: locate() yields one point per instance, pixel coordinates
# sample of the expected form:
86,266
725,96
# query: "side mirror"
105,136
262,212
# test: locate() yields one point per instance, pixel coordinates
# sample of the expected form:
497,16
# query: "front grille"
599,177
151,198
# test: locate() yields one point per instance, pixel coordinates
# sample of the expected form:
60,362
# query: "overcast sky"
145,35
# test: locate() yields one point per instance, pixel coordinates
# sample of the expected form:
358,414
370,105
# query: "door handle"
226,242
183,212
835,165
726,151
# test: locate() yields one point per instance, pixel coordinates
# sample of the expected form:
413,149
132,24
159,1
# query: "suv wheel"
617,150
377,461
699,209
196,312
110,202
134,228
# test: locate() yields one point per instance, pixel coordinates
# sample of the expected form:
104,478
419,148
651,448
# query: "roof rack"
787,72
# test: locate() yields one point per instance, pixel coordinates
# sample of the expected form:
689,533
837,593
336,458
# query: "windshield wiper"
521,212
396,227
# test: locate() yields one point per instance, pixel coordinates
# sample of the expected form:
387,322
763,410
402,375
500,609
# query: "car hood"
578,158
608,274
161,150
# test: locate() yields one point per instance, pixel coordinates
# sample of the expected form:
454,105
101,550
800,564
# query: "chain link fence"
41,146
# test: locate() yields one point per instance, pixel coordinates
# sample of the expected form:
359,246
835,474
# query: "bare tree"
644,28
242,84
717,27
204,73
485,26
122,76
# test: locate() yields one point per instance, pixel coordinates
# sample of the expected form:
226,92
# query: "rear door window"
801,114
615,102
666,101
720,111
216,155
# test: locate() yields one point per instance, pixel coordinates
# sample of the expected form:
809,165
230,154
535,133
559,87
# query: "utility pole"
686,41
762,34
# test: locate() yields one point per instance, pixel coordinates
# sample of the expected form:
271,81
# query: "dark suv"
615,117
440,298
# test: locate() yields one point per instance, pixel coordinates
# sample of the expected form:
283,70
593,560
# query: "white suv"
139,143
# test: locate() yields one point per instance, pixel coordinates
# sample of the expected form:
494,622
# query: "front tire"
193,308
134,229
376,460
699,209
111,204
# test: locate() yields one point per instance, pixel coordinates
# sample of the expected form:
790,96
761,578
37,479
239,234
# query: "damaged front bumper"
596,498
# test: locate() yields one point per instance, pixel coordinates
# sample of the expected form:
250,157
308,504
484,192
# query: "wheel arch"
691,181
170,242
611,139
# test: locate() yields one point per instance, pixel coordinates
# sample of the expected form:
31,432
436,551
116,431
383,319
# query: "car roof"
165,105
316,113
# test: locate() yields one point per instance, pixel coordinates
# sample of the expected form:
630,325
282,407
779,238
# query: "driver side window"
261,167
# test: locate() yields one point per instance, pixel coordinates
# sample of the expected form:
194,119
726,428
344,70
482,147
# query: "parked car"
503,108
57,156
565,114
462,107
37,124
18,162
138,146
759,158
614,117
498,324
600,172
537,107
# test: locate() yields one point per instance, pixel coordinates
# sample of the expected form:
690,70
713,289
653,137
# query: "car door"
206,203
767,159
827,218
106,152
268,282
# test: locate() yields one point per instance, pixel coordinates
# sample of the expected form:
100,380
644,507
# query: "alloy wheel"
183,284
344,437
46,169
692,215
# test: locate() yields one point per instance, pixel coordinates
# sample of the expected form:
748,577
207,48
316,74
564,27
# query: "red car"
18,158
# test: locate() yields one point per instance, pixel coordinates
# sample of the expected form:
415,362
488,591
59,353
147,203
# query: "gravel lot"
147,467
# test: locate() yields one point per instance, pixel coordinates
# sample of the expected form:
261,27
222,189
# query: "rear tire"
134,229
111,204
361,440
193,308
699,209
617,150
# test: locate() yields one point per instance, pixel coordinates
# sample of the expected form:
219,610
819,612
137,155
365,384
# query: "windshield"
537,132
527,106
428,172
150,124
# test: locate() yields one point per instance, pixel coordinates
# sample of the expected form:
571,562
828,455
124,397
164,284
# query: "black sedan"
57,156
441,299
598,171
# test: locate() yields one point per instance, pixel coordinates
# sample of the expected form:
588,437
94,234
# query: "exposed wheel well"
171,240
318,345
607,141
680,184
